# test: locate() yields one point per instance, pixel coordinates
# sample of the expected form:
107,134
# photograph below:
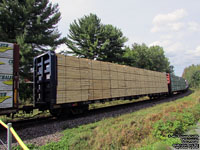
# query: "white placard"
6,75
6,65
6,82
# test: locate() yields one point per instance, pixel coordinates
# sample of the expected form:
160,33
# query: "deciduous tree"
151,58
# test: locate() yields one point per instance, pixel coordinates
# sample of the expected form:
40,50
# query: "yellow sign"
4,98
4,49
8,82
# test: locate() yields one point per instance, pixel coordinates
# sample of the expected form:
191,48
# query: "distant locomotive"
66,83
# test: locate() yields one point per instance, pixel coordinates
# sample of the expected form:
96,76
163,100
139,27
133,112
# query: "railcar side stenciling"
6,75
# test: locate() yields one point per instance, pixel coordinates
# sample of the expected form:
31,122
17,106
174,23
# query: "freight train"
64,84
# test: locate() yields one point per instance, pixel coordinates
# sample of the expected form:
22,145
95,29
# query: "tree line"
192,75
33,25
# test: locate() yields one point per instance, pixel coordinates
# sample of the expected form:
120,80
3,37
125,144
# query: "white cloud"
156,29
163,43
168,27
174,49
194,26
134,39
72,10
169,22
171,48
166,36
170,17
176,26
194,53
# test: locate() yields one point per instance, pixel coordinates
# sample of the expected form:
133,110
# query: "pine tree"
89,38
34,19
33,25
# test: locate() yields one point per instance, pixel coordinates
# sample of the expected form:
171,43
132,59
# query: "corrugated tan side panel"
106,84
60,60
127,76
115,93
85,63
121,84
85,73
120,76
85,84
113,67
105,66
72,73
71,61
73,96
127,69
61,78
113,75
120,68
105,75
96,74
97,84
60,97
82,79
72,84
122,92
98,94
84,95
106,93
69,79
114,84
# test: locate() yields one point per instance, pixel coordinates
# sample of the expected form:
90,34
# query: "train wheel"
85,108
60,112
79,109
56,112
151,97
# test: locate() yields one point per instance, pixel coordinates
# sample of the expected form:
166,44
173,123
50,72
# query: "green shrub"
30,146
177,123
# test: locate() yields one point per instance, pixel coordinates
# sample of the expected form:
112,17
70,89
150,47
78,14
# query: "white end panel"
6,75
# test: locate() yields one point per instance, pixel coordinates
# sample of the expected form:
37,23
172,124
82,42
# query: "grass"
144,129
20,115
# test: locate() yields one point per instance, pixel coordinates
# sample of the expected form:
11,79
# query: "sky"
171,24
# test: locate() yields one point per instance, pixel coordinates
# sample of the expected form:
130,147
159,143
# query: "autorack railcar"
67,83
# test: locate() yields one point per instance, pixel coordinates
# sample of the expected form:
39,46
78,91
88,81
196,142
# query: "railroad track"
37,129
